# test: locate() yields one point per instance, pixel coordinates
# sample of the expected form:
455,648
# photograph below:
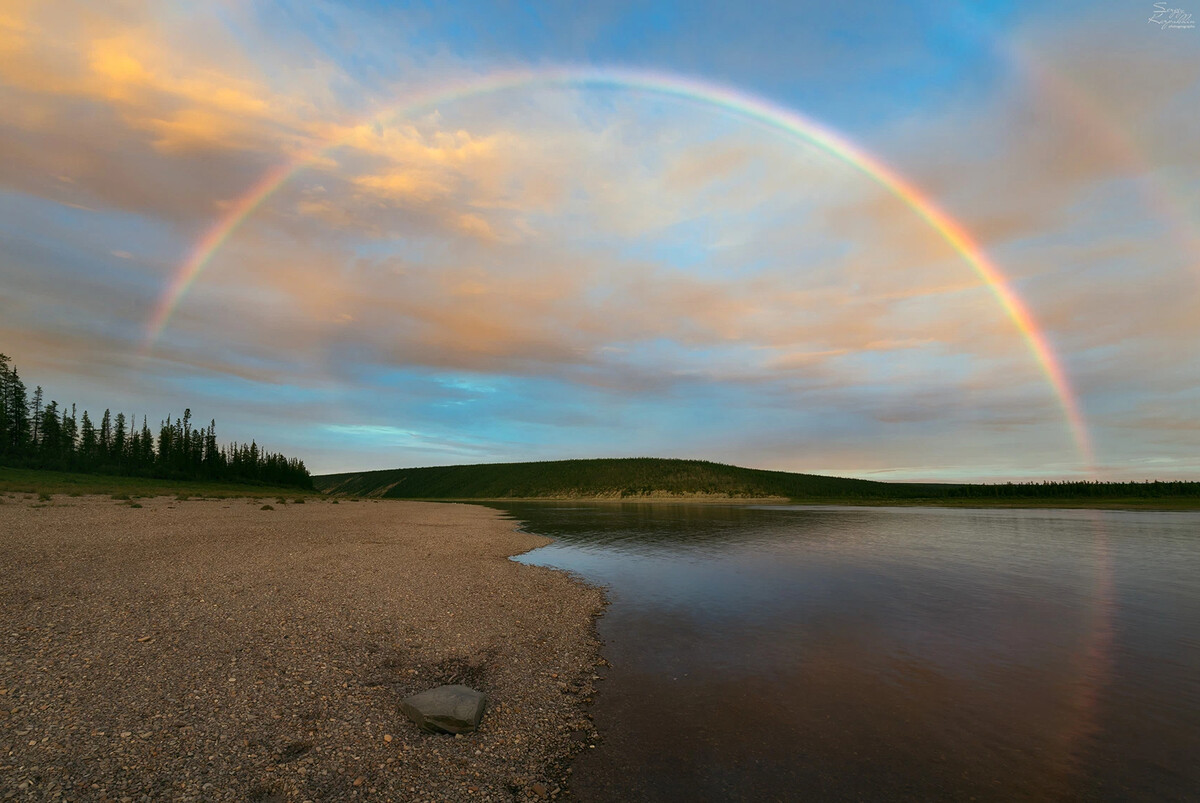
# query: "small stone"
387,737
360,780
446,709
539,789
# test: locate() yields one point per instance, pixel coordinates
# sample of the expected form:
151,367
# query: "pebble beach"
216,650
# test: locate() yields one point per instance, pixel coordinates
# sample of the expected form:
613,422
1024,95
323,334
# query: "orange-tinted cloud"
563,243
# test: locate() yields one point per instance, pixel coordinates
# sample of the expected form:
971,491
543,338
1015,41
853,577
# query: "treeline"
35,433
1150,489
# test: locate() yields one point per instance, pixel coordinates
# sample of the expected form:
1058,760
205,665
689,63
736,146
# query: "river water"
798,653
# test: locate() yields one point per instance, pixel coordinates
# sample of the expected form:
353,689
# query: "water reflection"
790,653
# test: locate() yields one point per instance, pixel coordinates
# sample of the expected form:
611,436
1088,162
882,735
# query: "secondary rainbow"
1114,137
727,100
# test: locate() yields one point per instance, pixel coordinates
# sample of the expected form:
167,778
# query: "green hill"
645,477
618,478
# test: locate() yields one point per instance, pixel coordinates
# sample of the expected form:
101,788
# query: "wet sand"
211,650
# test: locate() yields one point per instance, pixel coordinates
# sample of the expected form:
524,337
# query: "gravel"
215,650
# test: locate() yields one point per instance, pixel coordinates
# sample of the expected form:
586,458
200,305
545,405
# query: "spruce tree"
119,441
50,432
147,456
18,410
106,438
87,443
36,417
5,416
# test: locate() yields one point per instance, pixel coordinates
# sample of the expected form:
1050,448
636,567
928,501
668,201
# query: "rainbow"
727,100
1105,129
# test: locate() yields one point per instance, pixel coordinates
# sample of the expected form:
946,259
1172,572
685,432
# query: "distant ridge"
610,478
654,477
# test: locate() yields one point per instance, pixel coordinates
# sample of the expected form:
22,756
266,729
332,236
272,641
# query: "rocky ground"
213,650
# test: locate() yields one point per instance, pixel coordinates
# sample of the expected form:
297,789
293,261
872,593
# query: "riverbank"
1162,504
214,650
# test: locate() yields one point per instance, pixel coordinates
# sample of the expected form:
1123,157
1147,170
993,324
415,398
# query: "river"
845,653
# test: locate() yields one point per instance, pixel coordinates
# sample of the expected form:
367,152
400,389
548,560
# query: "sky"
919,241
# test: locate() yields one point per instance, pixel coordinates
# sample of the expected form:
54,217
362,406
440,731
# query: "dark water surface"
788,653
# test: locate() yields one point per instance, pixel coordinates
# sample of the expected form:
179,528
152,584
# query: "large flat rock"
446,709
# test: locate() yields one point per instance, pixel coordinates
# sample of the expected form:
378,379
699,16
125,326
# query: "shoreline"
213,650
1186,504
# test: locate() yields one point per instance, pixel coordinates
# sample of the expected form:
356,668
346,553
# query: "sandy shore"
210,650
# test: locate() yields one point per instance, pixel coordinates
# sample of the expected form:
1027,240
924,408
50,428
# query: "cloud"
621,269
82,54
409,186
